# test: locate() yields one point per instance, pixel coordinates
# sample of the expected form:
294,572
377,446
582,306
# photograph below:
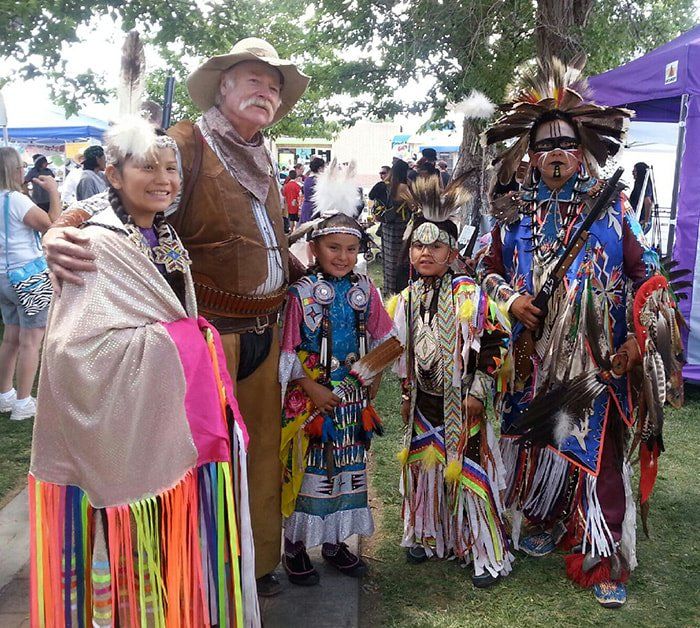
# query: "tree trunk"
558,26
472,164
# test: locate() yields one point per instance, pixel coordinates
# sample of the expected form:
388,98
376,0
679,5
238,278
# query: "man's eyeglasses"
383,173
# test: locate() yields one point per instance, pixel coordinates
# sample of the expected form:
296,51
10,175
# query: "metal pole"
3,121
680,146
642,196
168,101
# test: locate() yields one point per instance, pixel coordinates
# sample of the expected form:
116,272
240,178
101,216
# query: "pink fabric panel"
291,328
201,399
226,378
379,323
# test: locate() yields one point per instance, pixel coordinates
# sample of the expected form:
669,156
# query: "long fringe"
597,535
169,560
461,515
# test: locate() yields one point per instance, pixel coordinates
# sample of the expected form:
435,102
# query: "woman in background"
21,256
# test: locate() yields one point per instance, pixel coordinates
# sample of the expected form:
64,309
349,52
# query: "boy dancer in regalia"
456,339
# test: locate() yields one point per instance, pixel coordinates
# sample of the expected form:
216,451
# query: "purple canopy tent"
664,86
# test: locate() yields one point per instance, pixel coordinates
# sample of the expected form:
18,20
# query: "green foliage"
461,46
364,49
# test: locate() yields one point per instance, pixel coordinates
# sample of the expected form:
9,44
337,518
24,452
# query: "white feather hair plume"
336,192
474,107
134,137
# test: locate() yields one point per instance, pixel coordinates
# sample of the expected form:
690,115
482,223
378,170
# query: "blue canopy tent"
54,128
664,86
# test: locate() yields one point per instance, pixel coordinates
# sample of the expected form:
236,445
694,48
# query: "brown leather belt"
257,324
215,303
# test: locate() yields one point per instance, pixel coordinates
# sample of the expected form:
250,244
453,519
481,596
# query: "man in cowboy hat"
231,220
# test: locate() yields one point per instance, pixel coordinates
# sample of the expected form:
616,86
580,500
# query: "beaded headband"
317,233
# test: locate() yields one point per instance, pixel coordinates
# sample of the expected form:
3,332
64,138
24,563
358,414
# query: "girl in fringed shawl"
332,319
456,339
138,488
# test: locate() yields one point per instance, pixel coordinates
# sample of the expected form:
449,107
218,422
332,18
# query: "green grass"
663,591
15,448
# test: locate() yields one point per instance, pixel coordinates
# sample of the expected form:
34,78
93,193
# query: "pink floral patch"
295,402
311,361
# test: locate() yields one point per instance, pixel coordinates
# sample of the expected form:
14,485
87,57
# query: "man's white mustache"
256,101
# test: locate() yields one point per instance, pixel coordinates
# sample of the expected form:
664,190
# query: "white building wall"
369,144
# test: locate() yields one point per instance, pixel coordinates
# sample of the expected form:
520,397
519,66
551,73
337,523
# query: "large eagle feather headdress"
548,86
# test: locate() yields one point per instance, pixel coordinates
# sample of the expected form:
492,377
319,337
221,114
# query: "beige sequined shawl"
111,413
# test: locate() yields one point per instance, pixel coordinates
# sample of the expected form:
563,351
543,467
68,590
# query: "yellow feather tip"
466,311
402,456
453,472
391,305
430,458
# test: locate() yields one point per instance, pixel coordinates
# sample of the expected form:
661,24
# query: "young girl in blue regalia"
332,318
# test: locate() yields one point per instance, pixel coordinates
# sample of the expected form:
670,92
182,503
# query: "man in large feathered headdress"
565,414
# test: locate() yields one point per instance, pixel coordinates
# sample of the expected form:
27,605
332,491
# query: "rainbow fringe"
428,448
475,480
167,560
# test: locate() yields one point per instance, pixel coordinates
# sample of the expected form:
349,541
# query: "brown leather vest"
218,227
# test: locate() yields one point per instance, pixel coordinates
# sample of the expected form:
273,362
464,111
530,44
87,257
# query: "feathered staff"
361,374
132,78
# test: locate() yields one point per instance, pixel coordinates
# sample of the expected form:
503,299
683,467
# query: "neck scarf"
248,162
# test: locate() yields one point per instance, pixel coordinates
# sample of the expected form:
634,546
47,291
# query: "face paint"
555,152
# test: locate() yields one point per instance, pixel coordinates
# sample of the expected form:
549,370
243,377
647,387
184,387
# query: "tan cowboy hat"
203,83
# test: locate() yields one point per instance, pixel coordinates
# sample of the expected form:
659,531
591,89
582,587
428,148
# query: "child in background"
291,191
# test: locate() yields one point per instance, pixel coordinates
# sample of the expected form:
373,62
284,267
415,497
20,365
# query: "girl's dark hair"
316,164
398,175
554,114
640,168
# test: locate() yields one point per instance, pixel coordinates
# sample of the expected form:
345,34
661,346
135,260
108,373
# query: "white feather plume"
563,425
132,77
475,106
336,192
133,136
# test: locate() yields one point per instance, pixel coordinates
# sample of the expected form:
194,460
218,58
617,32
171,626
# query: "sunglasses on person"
383,173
